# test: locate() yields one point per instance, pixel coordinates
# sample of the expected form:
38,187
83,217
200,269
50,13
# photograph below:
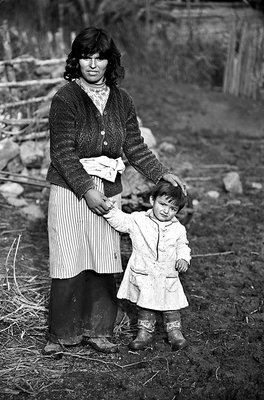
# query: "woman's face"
93,68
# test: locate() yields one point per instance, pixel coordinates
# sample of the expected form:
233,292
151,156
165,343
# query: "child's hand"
110,204
181,265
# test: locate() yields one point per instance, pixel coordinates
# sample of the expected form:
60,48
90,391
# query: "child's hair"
173,193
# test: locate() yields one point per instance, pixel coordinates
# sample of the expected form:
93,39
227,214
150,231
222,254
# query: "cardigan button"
102,133
105,143
105,112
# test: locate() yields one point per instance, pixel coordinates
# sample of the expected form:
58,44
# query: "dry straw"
23,325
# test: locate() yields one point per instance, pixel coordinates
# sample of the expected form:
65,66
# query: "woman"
92,123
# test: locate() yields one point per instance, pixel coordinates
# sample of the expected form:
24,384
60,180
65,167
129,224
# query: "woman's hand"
175,181
97,202
181,265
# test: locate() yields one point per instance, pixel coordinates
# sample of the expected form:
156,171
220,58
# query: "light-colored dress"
150,279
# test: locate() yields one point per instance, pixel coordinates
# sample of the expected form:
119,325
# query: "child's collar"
150,214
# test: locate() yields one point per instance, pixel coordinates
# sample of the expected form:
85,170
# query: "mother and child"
93,122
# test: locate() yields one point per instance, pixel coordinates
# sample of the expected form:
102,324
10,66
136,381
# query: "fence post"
8,54
9,70
243,70
60,45
229,59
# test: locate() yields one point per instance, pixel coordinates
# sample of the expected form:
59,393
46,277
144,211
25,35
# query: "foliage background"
143,29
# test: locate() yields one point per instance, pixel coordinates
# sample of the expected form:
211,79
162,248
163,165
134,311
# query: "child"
160,252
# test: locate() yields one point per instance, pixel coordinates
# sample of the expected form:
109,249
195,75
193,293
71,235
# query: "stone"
43,172
234,202
148,136
139,120
133,182
14,201
45,193
25,171
8,151
46,160
195,203
33,212
232,183
186,166
31,154
155,152
256,185
213,194
15,166
170,139
35,173
11,189
167,147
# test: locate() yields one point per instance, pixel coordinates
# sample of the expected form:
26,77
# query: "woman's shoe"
52,349
102,344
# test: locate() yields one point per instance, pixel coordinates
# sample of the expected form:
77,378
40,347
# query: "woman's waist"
104,167
110,188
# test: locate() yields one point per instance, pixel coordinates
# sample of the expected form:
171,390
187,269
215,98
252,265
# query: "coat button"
105,112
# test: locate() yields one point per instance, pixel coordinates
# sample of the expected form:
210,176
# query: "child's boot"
146,328
172,324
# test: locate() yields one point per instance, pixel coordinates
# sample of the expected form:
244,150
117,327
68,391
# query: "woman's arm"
140,156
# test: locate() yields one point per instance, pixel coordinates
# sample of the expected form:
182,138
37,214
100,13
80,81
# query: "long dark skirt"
82,306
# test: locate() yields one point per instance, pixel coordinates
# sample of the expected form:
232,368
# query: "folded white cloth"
103,166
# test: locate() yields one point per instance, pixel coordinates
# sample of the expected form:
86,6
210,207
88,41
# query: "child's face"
163,208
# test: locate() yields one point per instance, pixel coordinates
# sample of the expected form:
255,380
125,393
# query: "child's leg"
146,328
172,325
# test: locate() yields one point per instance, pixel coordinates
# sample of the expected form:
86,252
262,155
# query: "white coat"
150,279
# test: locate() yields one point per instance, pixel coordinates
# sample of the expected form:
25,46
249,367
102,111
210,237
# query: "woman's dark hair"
173,193
88,42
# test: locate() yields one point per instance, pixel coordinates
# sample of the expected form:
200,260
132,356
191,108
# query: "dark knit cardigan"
78,130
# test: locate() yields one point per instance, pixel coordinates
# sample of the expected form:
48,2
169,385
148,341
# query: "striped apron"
79,239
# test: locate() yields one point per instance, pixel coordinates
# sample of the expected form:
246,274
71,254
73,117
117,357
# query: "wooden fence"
244,73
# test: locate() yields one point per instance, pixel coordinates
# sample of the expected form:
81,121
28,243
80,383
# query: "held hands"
175,181
181,265
97,202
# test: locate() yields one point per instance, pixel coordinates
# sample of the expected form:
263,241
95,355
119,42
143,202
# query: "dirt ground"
214,134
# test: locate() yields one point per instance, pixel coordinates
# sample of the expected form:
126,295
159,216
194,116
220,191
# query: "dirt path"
224,322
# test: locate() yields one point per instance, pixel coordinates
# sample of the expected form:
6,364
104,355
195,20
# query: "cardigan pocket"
172,283
138,271
139,280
